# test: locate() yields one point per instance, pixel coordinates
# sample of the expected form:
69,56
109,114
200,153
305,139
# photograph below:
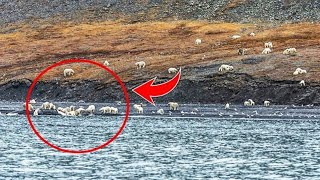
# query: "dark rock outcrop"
217,88
135,11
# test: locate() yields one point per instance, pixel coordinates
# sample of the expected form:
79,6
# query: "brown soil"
26,50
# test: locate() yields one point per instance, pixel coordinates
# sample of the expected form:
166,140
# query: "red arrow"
147,90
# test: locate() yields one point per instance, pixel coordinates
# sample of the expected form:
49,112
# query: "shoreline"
216,111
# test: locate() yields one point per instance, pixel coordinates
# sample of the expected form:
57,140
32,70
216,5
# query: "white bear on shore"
266,103
106,63
140,64
105,109
268,45
198,41
227,106
225,67
36,112
172,70
290,51
173,106
302,83
160,111
79,111
138,108
30,107
91,109
235,37
303,71
266,51
299,71
249,102
246,103
68,72
32,101
114,110
47,105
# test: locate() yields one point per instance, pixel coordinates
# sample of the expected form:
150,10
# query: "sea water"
161,148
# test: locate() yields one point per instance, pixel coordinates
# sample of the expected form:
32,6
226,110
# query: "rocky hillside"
155,10
35,34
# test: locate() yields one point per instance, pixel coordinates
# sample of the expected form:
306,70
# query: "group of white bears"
139,65
111,110
267,50
173,106
70,110
73,111
249,102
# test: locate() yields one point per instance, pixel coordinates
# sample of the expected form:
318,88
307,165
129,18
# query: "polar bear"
302,83
296,72
66,109
227,106
106,63
246,103
290,51
79,111
140,64
36,112
52,106
138,108
47,105
198,41
91,109
105,110
266,51
30,107
225,67
172,70
114,110
32,101
252,102
249,102
303,71
173,106
235,37
266,103
299,71
268,45
68,72
160,111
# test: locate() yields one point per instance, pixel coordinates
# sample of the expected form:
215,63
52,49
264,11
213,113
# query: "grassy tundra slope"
161,45
124,33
